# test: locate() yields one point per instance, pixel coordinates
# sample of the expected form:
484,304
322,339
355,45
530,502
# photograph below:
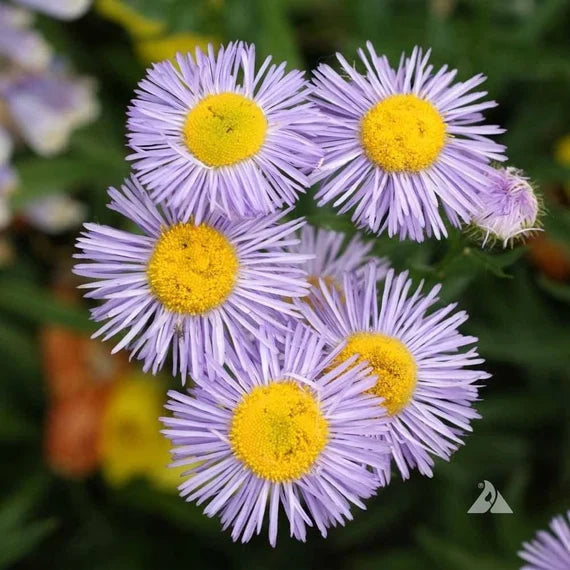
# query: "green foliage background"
522,443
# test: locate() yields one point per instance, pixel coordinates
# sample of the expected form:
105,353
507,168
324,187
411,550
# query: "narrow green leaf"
40,177
14,546
17,506
31,303
560,291
450,555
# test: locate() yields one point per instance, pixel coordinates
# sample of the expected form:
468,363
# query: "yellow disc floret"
403,133
225,129
192,269
278,431
392,364
332,284
330,281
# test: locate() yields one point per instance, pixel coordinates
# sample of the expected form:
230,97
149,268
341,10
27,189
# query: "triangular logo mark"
490,500
500,506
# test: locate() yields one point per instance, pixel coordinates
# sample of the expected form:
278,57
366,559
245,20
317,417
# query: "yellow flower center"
402,133
224,129
330,282
278,431
192,269
392,364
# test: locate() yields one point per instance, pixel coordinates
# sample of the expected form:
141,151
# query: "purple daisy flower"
214,133
188,287
510,210
549,551
334,254
401,142
422,374
281,429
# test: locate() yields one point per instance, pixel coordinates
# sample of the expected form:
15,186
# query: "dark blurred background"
83,478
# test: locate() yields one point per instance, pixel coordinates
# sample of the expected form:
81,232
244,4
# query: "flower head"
400,143
41,101
509,210
131,443
186,286
21,45
71,437
334,254
422,375
62,9
549,550
45,109
212,133
55,213
281,429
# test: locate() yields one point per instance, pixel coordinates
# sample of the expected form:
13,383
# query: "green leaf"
373,521
545,15
151,8
274,33
18,351
142,498
14,427
15,545
557,224
390,560
40,177
495,263
519,410
18,537
449,555
560,291
31,303
268,25
16,507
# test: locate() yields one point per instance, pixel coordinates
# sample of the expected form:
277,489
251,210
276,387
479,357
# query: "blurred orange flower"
551,257
79,373
73,362
72,432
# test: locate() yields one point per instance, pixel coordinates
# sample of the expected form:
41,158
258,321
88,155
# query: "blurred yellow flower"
131,443
151,42
151,50
136,24
562,151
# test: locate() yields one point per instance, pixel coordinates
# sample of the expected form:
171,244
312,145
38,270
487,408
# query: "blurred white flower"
55,213
47,108
62,9
21,45
41,103
13,16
